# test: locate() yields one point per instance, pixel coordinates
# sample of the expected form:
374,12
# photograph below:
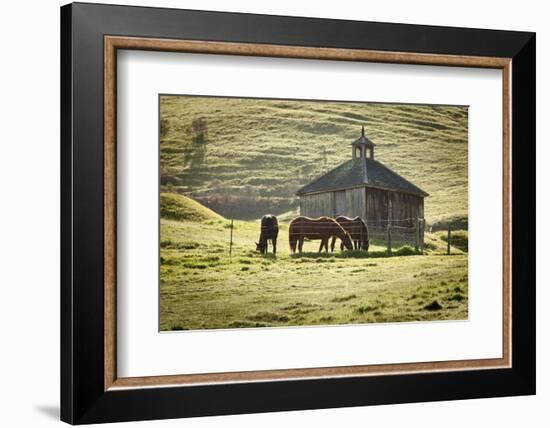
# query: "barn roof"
352,174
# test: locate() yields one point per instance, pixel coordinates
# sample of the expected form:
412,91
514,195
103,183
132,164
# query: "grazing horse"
269,229
316,228
357,230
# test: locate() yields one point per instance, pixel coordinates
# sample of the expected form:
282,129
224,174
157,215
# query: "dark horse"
316,228
269,229
358,231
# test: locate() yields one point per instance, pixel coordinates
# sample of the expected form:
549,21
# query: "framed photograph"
265,213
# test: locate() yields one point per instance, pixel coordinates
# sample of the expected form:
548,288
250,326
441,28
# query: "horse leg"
300,244
274,242
333,242
322,243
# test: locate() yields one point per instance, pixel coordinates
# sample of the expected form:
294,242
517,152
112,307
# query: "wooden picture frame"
91,390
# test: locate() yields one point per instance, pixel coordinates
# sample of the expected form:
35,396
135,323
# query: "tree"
199,127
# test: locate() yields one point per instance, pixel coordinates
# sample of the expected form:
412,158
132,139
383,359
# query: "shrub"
178,327
406,250
370,307
459,239
429,246
343,298
434,306
455,222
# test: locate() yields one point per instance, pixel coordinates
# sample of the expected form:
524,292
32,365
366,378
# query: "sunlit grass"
202,287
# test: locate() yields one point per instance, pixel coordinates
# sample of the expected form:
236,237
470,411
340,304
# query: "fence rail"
389,231
413,235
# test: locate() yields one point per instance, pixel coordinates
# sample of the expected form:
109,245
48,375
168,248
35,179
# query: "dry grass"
270,148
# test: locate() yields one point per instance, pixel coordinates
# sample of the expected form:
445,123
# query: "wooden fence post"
388,236
449,240
231,238
421,234
416,234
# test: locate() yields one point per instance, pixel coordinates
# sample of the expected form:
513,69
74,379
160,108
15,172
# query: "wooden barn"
364,187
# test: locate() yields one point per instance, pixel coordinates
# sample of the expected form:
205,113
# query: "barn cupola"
362,148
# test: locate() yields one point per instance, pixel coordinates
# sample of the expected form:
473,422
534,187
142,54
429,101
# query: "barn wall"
398,209
350,202
355,201
317,205
376,206
405,208
340,204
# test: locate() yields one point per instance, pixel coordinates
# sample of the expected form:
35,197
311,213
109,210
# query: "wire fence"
395,234
392,233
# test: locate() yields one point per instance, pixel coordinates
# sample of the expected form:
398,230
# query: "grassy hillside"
179,207
245,157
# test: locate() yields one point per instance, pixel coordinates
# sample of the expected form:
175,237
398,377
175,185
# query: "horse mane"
342,229
311,218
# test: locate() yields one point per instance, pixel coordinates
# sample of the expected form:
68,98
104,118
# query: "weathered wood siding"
350,202
317,205
395,208
377,207
356,202
340,203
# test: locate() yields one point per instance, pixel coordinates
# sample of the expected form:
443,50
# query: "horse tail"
275,227
292,246
292,239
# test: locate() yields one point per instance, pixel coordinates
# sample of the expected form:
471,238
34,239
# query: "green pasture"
203,287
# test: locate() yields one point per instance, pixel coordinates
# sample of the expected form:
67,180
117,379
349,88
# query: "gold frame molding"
113,43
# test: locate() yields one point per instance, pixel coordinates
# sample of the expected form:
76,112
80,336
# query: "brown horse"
357,230
316,228
269,229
